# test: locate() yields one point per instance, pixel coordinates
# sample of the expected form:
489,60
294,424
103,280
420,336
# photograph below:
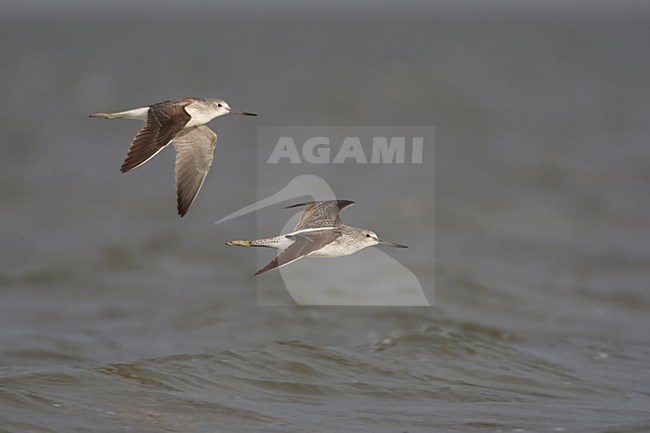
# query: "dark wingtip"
181,208
298,205
127,166
342,203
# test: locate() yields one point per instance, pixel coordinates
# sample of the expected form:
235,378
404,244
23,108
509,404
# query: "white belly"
336,250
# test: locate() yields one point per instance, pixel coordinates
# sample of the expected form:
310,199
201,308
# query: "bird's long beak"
243,113
390,244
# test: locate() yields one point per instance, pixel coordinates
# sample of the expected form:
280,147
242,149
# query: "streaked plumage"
182,122
319,233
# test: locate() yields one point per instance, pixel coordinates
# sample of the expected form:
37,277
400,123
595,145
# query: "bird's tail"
105,115
240,243
136,113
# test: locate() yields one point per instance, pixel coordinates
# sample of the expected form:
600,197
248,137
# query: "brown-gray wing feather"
164,121
194,154
304,244
321,213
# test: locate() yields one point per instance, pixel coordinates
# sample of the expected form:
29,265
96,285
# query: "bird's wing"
194,153
303,245
321,213
164,121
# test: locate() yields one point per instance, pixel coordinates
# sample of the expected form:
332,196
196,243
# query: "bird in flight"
319,233
183,123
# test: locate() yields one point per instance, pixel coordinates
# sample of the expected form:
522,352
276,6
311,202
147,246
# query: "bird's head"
222,108
370,238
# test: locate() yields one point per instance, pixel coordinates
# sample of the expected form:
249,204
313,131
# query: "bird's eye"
219,105
367,235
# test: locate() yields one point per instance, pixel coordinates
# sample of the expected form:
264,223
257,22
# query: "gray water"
116,315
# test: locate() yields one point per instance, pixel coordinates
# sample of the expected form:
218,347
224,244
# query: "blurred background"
117,315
